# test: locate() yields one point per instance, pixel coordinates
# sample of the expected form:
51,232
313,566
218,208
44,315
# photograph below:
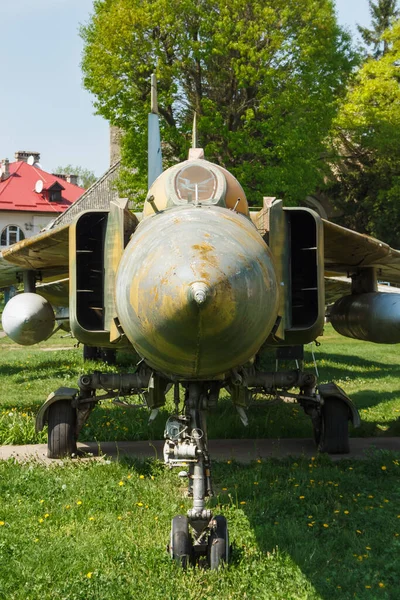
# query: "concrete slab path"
243,451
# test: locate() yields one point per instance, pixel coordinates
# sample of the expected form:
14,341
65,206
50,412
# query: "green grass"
300,530
369,373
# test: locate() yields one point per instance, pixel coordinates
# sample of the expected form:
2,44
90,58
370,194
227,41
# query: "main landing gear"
199,537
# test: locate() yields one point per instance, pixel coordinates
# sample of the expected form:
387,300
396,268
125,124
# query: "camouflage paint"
170,252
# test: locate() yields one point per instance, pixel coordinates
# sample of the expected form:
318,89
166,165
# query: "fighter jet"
197,288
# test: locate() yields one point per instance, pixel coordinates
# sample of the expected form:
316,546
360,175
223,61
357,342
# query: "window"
10,235
55,196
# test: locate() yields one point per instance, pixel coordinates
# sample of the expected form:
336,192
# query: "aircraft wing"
345,250
46,252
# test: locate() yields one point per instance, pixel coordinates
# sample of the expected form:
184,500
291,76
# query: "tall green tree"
366,175
262,75
85,177
383,14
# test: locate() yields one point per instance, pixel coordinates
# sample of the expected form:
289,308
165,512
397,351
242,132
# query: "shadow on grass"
353,366
307,521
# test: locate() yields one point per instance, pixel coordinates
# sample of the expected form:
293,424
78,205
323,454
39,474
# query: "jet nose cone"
199,292
196,292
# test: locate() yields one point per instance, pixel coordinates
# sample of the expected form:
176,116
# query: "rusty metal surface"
155,297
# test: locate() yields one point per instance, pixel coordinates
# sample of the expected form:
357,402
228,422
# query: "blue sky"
43,106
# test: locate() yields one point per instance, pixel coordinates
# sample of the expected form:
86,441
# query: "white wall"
22,219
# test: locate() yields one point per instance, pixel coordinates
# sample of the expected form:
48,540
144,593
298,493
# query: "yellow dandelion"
358,531
326,525
310,524
41,501
36,540
370,496
368,547
350,468
381,584
255,482
224,489
89,575
383,467
336,511
41,520
346,512
259,461
152,477
68,506
119,518
91,518
121,483
2,523
141,476
360,558
129,476
46,516
367,587
385,500
139,503
228,462
243,502
309,517
301,497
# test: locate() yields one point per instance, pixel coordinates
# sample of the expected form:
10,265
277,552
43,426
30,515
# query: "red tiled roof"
18,191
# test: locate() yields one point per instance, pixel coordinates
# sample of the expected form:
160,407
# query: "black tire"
61,440
334,437
218,544
181,544
90,352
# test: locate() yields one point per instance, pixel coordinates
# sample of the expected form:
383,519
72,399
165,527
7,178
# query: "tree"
383,15
85,177
262,75
366,175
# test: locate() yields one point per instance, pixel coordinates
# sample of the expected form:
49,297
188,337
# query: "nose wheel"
198,538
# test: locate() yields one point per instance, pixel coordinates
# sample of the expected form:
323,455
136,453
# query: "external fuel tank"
373,317
196,291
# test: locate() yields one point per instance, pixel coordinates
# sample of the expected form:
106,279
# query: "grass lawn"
300,530
369,373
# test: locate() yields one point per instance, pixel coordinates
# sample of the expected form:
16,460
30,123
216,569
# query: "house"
30,198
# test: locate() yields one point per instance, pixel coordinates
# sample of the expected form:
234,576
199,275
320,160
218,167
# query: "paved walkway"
241,450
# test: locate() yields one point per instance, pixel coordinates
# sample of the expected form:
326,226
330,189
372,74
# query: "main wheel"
334,435
218,543
181,544
61,437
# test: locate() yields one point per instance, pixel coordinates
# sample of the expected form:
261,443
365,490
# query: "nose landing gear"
199,536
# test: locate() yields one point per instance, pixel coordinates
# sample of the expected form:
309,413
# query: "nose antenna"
154,166
195,153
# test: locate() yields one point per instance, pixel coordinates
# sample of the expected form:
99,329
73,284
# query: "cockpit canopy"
197,182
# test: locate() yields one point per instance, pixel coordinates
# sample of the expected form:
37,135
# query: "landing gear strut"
199,534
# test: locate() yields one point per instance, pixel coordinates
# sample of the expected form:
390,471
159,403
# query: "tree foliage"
262,75
367,140
383,15
85,177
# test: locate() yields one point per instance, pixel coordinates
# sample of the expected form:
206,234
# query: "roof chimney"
4,169
72,178
25,154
